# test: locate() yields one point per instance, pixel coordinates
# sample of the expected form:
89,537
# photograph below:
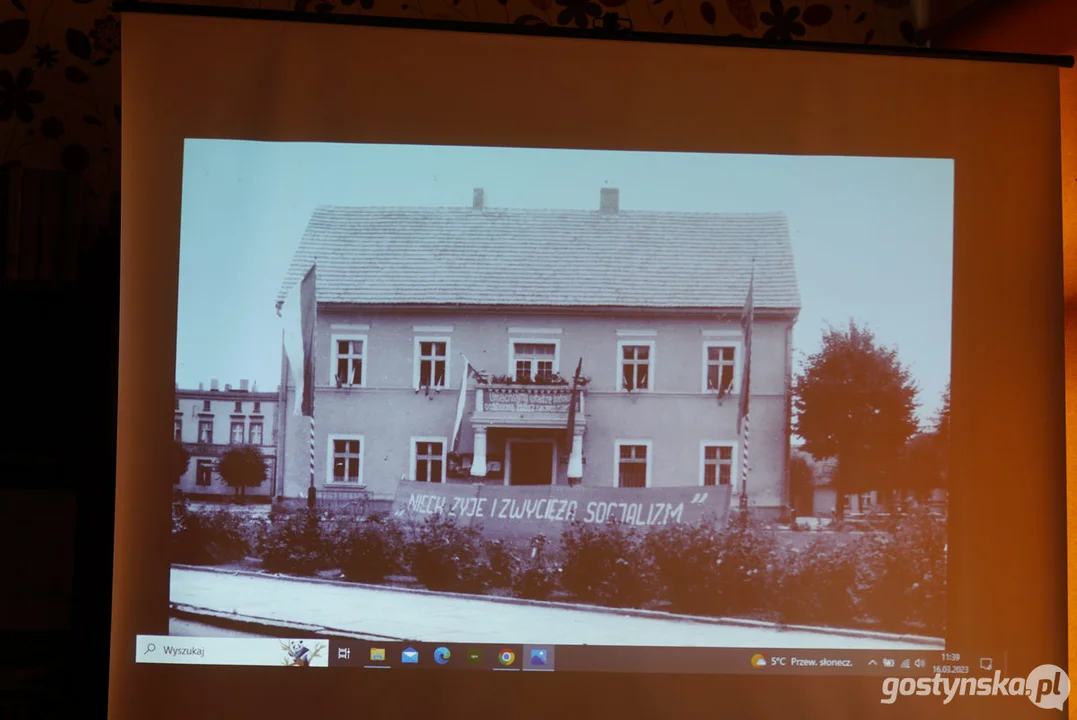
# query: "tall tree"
181,460
241,467
856,402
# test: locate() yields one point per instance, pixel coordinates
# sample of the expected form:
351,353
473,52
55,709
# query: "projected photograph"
501,395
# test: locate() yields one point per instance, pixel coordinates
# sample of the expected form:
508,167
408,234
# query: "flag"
460,403
746,320
298,315
572,402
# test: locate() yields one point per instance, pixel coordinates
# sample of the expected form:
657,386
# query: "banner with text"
549,509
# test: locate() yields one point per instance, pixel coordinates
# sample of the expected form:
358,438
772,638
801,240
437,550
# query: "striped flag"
298,315
573,401
746,319
460,403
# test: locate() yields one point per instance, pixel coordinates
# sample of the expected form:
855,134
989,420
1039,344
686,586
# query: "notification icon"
758,661
507,657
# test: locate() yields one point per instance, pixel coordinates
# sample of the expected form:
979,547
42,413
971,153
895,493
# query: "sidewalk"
439,617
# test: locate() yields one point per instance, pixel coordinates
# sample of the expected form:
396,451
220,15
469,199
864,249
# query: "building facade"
647,303
209,422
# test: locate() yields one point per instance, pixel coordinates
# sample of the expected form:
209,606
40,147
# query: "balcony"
526,405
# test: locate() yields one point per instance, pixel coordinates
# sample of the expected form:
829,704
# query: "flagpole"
312,492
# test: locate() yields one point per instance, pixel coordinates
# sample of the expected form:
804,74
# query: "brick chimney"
479,200
244,385
213,385
609,201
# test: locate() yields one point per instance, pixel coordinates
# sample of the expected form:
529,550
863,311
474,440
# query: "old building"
650,301
208,422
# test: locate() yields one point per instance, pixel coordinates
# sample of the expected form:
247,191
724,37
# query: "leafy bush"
902,575
747,566
447,557
374,549
686,560
537,576
293,543
818,583
208,538
501,564
606,564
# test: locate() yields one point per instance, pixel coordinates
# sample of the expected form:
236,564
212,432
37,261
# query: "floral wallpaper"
60,59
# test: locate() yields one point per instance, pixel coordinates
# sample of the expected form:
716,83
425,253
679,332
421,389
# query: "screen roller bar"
603,33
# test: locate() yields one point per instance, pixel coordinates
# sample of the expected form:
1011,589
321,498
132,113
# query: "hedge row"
894,580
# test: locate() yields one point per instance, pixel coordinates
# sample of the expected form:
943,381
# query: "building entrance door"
530,462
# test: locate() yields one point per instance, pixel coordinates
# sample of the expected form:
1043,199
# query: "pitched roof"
546,258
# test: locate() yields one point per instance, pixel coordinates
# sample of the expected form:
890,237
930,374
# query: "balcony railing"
527,399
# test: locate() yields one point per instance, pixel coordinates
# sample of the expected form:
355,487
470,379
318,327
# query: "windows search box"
262,652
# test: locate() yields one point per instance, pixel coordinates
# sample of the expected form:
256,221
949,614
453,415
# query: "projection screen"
609,371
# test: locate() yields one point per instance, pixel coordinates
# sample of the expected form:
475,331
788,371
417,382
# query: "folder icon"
411,655
377,654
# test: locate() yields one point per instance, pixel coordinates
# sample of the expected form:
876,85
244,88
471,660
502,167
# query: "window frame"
330,440
555,341
734,465
198,465
177,425
232,432
621,345
414,457
738,349
334,338
250,429
416,361
198,437
621,442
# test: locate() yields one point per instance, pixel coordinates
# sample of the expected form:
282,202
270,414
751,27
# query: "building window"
345,459
635,362
237,433
257,406
349,353
239,406
633,458
205,406
177,404
205,432
533,360
256,433
717,464
204,474
432,362
719,367
428,459
177,430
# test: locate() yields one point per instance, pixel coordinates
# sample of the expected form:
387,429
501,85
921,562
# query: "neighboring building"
651,301
820,500
208,422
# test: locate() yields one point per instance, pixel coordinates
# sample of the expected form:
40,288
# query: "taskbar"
374,655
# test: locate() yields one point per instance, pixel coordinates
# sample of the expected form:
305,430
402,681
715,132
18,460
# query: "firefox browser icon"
758,661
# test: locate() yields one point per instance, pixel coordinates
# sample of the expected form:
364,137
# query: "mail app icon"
410,655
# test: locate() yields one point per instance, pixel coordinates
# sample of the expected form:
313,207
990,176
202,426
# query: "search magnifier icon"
150,648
